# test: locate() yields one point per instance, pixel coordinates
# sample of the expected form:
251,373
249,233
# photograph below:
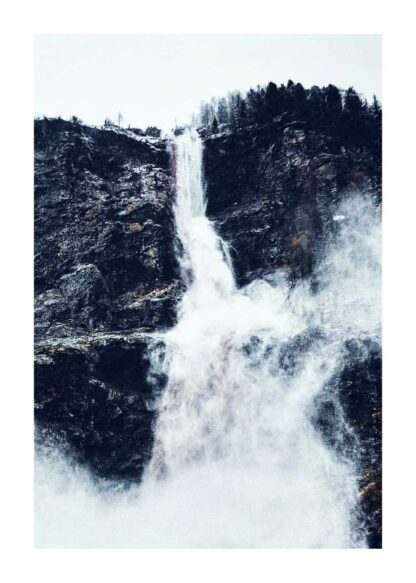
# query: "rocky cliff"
272,191
106,274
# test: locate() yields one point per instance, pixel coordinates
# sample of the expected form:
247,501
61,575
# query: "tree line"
151,131
345,112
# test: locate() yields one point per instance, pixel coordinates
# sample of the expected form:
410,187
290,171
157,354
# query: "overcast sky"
161,79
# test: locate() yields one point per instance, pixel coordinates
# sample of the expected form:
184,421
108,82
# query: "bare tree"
120,118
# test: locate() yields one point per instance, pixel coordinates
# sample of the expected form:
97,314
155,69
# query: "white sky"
160,79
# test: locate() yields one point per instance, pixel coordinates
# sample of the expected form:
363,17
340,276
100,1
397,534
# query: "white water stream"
237,461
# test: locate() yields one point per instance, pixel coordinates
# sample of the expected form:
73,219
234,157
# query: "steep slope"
103,219
105,274
273,190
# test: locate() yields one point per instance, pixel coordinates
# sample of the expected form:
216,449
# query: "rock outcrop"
103,230
93,394
105,275
272,191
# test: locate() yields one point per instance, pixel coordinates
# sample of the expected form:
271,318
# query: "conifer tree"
352,101
333,99
274,100
222,111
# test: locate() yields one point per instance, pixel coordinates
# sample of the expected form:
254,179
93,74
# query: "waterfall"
235,432
237,458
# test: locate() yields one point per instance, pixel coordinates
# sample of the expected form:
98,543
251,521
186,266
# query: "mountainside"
273,190
105,275
107,278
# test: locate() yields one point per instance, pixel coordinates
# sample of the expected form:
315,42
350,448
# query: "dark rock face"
360,395
358,392
103,230
106,277
105,269
272,190
94,393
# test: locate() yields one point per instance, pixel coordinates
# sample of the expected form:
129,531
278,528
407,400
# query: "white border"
20,21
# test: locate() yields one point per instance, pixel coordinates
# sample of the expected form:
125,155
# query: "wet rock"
105,268
272,191
360,396
103,227
94,393
352,402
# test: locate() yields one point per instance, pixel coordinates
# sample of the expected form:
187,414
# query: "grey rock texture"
105,275
272,191
104,258
93,393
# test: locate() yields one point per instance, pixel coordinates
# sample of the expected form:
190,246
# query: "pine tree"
242,112
205,114
222,111
352,101
251,99
333,99
375,107
153,131
274,101
299,99
315,104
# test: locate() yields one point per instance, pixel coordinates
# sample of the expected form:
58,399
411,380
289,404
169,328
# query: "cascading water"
237,460
233,425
